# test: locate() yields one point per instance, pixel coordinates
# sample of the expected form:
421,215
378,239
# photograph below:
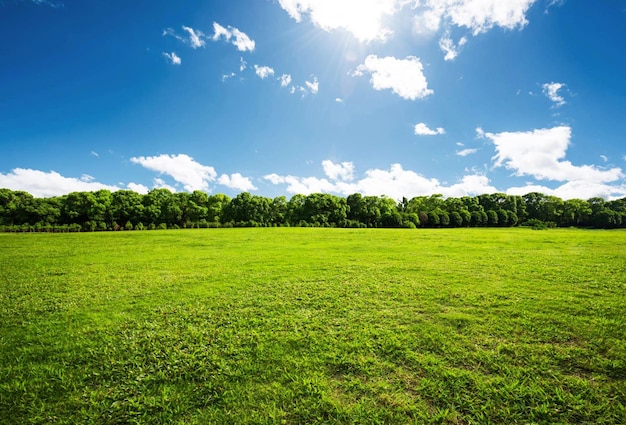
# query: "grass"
301,326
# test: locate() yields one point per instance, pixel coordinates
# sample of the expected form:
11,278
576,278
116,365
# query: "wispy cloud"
50,3
172,58
446,44
238,38
403,77
551,90
313,86
195,38
466,152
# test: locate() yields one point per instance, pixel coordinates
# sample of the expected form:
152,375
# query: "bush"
536,224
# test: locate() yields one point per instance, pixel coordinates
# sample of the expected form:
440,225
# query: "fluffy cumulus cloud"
232,35
365,19
182,168
395,182
574,190
342,172
422,129
139,188
551,90
43,184
263,71
172,58
476,15
403,77
237,182
285,80
540,154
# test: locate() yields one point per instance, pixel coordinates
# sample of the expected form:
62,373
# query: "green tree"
127,205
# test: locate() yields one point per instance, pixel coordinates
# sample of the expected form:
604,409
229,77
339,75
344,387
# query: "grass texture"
308,326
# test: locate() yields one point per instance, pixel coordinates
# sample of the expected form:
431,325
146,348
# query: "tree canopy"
161,208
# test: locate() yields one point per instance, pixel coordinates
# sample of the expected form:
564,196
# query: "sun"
364,19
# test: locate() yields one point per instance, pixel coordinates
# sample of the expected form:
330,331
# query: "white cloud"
403,76
313,86
242,65
422,129
551,90
363,18
574,189
96,154
369,20
173,58
540,153
476,15
604,158
303,185
43,184
263,71
339,100
239,39
228,76
160,184
236,181
285,80
49,3
466,152
195,37
342,172
182,168
395,183
139,188
427,23
449,48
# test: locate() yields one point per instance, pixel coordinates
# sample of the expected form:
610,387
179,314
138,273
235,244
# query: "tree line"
162,209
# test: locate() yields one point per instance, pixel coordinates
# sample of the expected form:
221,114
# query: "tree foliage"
160,209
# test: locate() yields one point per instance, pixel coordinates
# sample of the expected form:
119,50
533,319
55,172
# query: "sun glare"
363,18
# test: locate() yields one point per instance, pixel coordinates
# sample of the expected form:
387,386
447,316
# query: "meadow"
304,326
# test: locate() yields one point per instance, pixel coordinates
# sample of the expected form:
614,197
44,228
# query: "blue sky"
278,97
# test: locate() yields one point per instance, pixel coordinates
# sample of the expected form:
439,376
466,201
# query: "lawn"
302,326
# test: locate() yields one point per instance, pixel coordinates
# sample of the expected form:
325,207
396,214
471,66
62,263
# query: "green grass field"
302,326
